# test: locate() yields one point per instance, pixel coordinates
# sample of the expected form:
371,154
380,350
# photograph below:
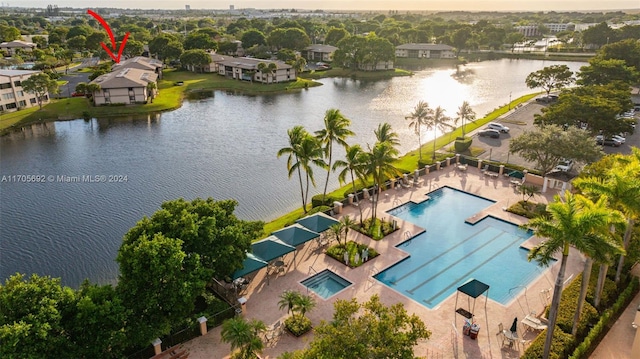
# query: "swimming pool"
451,252
326,283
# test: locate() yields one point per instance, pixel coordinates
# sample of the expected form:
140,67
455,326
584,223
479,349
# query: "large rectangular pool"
451,252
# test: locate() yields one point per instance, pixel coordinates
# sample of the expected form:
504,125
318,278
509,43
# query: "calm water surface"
221,147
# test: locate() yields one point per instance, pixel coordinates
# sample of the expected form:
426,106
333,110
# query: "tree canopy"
550,77
39,84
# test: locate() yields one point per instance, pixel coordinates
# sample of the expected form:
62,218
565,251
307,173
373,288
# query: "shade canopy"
270,248
474,288
295,235
250,264
317,222
516,174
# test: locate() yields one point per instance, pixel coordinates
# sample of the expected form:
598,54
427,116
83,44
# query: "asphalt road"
521,119
74,77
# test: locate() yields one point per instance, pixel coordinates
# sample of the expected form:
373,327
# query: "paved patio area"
445,324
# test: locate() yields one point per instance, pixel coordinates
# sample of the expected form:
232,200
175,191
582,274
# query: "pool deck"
444,323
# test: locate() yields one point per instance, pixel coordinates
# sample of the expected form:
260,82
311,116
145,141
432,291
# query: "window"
130,88
5,86
8,96
33,101
11,105
107,100
23,103
105,92
20,93
17,83
132,98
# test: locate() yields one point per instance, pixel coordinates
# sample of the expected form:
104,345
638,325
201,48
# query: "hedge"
559,345
463,144
567,308
316,200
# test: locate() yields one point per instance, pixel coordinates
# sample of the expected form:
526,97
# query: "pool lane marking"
466,275
437,274
440,255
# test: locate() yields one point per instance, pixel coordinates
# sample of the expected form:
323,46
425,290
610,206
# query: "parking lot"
521,119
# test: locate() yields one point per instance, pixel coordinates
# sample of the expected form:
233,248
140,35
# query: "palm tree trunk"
434,144
326,183
356,195
306,195
304,207
602,275
419,143
586,275
627,238
555,303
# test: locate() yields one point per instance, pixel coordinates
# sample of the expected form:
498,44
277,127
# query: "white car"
618,138
564,165
498,126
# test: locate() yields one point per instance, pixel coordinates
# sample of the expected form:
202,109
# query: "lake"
222,147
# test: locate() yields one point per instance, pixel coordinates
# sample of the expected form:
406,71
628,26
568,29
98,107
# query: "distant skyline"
461,5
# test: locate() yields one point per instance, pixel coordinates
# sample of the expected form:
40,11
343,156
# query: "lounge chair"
531,322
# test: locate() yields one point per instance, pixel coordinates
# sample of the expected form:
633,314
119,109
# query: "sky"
439,5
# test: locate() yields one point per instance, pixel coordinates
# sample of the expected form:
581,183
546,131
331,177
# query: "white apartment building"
12,96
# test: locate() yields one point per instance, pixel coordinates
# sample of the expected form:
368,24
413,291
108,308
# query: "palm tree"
437,121
465,113
571,223
379,166
336,230
304,303
288,300
296,135
311,153
151,90
347,223
354,164
622,188
262,67
243,335
271,69
336,129
418,117
384,133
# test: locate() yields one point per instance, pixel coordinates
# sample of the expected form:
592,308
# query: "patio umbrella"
514,326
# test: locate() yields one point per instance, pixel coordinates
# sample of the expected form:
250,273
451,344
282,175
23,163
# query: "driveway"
74,77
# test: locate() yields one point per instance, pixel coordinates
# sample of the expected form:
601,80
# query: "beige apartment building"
244,68
12,96
125,86
425,51
140,63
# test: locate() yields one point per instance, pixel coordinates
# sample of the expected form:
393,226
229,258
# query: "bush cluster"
297,324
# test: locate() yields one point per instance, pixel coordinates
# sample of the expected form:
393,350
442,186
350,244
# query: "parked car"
564,165
619,138
498,127
547,99
608,142
77,94
487,132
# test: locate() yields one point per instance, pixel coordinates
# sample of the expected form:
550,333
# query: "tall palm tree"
571,223
384,133
296,135
243,335
465,113
380,166
418,117
437,121
354,164
311,154
288,300
336,129
347,223
151,90
622,188
271,69
304,303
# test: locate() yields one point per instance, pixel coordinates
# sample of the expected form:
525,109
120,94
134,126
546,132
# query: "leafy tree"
133,48
81,30
290,38
158,44
419,117
286,55
77,43
41,41
368,330
599,35
573,222
243,335
550,77
465,114
353,164
627,50
602,72
93,41
334,35
40,84
195,58
596,106
336,129
199,41
32,317
91,90
173,50
528,191
350,52
81,87
460,38
253,37
299,64
548,145
9,33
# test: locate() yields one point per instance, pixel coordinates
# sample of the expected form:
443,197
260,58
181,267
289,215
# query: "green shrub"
567,308
530,210
318,209
462,145
377,230
297,324
316,200
559,345
337,252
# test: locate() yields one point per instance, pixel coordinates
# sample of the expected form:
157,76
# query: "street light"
509,101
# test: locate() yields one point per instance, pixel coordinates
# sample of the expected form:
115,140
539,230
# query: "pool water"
451,252
326,283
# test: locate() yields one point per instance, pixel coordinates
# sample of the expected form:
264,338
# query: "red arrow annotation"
113,40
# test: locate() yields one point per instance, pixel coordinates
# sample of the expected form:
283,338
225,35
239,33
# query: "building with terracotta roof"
125,86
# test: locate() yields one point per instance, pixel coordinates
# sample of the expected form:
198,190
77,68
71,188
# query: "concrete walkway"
617,343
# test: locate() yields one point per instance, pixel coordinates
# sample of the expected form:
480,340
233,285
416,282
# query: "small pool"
451,252
326,283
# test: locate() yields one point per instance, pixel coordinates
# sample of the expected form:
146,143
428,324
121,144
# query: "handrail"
407,234
312,269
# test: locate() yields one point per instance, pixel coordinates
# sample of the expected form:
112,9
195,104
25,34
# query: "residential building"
528,30
380,66
319,52
212,66
425,51
244,68
10,47
140,63
127,86
12,96
555,28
